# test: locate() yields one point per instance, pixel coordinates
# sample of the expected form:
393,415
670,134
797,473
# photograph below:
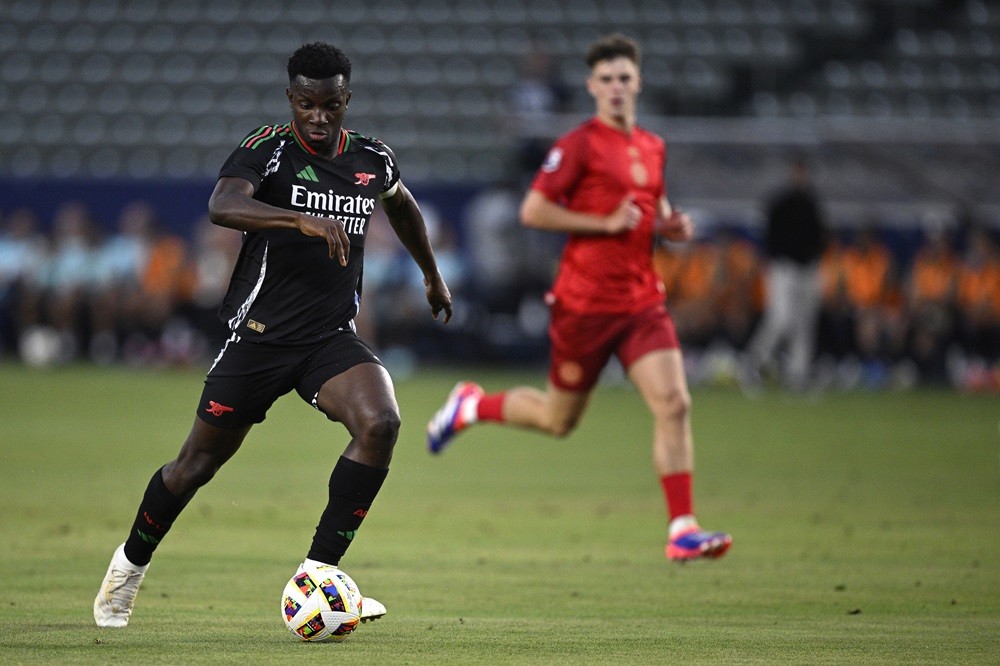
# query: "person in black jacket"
794,242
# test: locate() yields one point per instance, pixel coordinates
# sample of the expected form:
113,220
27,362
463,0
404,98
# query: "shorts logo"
217,409
363,178
255,325
570,372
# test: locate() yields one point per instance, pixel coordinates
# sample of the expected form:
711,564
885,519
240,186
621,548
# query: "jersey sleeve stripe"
257,137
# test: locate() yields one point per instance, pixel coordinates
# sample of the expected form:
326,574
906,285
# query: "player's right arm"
538,212
232,205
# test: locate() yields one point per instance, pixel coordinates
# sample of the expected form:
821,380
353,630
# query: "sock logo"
361,513
348,534
155,525
148,538
217,409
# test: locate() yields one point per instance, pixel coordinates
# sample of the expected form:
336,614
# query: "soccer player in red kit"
602,184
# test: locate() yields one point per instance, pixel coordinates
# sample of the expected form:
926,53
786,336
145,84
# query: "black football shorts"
248,377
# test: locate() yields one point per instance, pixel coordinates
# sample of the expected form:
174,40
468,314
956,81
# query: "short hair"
319,60
613,46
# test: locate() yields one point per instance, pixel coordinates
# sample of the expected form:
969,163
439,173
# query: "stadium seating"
108,88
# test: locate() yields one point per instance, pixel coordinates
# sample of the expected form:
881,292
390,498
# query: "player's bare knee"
675,404
380,428
189,473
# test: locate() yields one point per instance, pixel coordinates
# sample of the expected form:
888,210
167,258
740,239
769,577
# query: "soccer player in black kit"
302,193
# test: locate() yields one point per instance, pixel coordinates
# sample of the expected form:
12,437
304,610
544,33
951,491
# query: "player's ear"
288,94
347,100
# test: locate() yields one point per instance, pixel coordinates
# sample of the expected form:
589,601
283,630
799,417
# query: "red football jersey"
590,170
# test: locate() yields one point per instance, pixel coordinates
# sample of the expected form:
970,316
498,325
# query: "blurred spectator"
22,250
862,325
494,245
406,324
534,99
713,289
871,278
389,320
510,268
167,282
117,290
385,260
68,278
692,296
979,310
931,299
740,288
214,256
794,242
836,328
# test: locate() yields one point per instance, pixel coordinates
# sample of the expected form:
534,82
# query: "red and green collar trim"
342,145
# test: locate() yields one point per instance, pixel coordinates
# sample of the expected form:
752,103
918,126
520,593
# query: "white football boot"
371,609
114,602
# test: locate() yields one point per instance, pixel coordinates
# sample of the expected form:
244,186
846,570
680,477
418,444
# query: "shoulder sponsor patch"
552,160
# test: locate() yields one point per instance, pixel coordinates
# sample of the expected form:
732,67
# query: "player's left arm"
408,223
674,225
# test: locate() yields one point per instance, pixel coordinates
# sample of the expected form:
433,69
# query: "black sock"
353,488
157,512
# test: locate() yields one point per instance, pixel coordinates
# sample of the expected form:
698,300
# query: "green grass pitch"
866,529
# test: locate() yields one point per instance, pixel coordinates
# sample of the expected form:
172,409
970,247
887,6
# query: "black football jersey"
285,288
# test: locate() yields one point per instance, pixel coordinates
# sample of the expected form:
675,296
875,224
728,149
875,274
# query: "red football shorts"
582,344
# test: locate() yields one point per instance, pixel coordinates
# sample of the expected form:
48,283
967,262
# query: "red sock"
677,492
491,407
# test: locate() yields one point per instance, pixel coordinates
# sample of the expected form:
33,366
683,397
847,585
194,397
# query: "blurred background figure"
495,246
694,294
714,290
862,327
406,332
979,312
66,281
213,257
22,251
931,291
383,276
739,288
835,343
794,241
876,310
534,100
166,284
117,293
510,267
390,320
